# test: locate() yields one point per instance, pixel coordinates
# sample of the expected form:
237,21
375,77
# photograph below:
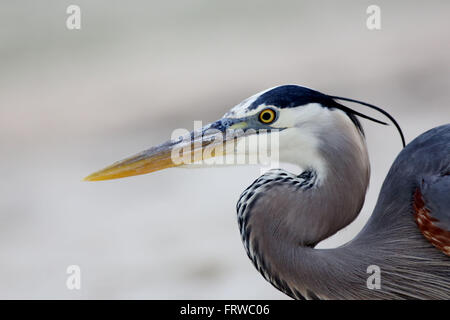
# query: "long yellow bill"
187,150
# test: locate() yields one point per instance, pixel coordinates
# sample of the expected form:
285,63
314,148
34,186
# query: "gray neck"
283,216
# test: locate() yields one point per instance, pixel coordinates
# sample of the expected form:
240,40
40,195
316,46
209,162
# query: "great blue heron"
283,215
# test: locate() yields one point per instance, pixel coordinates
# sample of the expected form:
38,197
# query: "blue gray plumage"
281,247
282,216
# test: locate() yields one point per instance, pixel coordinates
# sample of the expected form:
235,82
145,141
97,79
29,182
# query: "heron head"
287,122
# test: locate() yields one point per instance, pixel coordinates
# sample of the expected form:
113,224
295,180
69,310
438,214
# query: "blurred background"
73,101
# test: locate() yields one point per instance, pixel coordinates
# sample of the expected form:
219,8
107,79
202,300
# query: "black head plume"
351,111
290,96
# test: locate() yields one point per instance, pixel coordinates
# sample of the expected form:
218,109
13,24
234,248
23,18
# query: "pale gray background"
74,101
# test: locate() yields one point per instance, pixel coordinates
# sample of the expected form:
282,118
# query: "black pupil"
266,116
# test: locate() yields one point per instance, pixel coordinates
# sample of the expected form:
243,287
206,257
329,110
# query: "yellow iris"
267,116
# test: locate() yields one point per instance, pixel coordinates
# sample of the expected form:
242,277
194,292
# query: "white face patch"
302,129
297,142
300,142
293,117
299,146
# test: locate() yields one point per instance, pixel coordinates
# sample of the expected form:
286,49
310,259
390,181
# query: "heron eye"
267,116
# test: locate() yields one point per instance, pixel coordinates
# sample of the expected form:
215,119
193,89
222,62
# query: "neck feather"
282,216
